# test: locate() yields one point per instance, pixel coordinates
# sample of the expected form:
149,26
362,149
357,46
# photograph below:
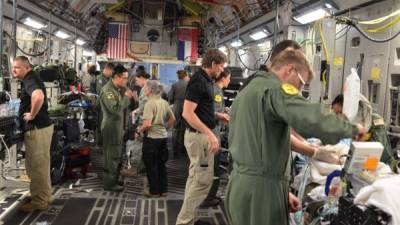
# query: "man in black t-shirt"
38,132
200,141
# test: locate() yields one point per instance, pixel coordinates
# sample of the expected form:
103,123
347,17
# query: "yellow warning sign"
338,61
376,73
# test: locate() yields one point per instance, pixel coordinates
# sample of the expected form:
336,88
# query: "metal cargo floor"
87,203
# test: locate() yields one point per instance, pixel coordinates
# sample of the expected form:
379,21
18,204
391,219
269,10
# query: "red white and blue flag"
117,44
187,44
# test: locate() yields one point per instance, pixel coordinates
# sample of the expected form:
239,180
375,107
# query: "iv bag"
351,95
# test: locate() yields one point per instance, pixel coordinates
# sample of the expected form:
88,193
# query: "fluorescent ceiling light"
62,34
87,53
33,23
311,16
223,49
265,45
258,35
236,43
80,42
328,5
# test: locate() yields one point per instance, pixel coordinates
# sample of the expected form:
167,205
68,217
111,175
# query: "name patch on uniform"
290,89
110,95
379,122
218,98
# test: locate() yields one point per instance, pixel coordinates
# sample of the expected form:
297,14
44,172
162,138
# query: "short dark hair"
109,66
213,55
92,69
181,74
282,46
338,100
23,59
143,74
263,67
141,67
119,70
223,74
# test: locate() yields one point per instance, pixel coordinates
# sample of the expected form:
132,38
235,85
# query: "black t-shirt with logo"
31,83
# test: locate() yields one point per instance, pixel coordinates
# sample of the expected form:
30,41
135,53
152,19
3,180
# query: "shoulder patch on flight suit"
110,95
218,98
290,89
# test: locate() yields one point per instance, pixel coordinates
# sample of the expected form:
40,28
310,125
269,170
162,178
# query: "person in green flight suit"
259,140
114,98
100,82
377,130
104,77
176,97
222,81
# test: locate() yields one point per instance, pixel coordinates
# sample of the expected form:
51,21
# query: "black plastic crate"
349,213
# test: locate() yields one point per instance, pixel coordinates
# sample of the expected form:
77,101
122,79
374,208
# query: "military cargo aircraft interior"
200,112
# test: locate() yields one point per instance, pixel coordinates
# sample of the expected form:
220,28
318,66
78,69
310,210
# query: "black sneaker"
212,202
115,188
202,222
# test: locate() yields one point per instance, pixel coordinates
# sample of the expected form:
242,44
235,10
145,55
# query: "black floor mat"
76,208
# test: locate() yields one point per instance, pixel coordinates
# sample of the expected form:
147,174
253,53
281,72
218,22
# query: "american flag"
117,40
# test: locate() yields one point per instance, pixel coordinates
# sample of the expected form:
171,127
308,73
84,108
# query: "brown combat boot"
131,172
29,207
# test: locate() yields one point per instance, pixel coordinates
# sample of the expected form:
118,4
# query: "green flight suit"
259,141
219,105
112,103
101,81
138,155
378,133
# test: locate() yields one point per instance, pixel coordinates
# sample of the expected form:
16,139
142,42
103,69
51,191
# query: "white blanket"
384,194
320,170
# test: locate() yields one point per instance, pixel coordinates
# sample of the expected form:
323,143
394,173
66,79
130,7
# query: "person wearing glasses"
114,98
261,119
298,143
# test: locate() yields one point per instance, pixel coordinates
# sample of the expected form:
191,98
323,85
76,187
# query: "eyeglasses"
301,79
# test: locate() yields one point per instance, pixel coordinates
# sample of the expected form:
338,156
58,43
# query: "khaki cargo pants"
37,162
200,178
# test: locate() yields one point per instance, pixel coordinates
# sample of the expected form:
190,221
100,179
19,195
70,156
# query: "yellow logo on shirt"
218,98
290,89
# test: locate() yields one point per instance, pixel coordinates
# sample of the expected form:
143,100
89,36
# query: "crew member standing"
259,140
200,141
221,82
176,96
38,129
113,101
